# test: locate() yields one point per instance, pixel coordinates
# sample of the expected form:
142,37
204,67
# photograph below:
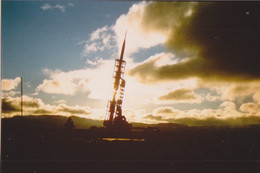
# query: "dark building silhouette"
69,124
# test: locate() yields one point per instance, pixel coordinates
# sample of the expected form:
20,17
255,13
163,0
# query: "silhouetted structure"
69,124
114,119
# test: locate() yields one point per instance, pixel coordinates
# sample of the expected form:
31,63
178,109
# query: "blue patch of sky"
204,91
200,106
34,39
144,54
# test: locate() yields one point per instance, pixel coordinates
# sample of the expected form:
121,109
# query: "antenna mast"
21,96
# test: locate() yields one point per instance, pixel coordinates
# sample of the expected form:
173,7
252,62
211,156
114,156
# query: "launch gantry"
114,120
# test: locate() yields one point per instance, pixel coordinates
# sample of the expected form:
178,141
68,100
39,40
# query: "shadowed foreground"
179,149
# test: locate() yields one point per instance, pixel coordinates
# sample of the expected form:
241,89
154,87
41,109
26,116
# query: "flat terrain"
52,148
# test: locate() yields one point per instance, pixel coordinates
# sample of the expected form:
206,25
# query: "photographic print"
130,86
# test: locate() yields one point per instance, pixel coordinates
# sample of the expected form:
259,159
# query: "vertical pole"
20,133
21,100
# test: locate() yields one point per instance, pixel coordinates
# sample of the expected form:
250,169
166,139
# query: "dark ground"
31,147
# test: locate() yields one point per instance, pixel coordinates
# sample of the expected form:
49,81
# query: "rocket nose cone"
122,50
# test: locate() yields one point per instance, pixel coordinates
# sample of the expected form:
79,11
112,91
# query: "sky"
194,63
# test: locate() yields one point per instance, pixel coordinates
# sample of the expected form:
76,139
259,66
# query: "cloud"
225,114
224,111
10,84
250,108
12,105
232,90
228,109
95,62
152,117
73,109
163,113
100,33
67,83
149,72
31,102
89,81
224,36
220,39
240,90
46,6
179,95
192,56
70,4
8,106
60,7
9,93
110,38
165,110
138,37
241,121
101,39
35,106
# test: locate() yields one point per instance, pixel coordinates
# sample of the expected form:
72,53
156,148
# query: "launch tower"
114,119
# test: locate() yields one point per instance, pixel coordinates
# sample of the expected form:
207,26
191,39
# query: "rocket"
119,67
114,115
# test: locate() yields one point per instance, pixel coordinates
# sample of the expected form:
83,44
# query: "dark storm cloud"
222,38
12,105
148,72
9,106
34,106
227,34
